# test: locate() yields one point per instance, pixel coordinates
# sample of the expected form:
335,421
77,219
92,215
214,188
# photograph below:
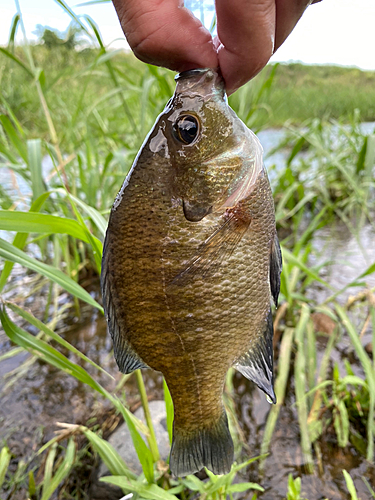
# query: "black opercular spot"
186,129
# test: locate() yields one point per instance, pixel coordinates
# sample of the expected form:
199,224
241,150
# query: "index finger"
249,32
165,33
246,32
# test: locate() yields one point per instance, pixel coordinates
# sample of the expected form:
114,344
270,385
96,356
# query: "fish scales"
186,266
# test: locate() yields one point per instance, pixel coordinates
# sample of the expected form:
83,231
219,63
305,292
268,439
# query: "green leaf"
350,485
109,455
20,239
34,156
10,252
32,486
290,258
300,384
149,491
33,222
5,456
13,136
143,452
367,367
95,216
245,487
13,29
193,483
50,333
169,410
50,486
341,424
45,352
17,60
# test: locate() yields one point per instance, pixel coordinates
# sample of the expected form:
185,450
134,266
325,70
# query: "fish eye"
186,129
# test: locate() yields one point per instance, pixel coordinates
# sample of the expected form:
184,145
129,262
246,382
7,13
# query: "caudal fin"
210,447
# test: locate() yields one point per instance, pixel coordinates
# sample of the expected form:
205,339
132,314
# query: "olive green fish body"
186,276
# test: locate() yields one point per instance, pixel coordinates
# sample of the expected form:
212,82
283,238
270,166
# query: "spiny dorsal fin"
257,363
276,265
127,360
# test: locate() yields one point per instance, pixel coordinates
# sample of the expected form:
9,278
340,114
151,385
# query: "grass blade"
148,491
53,335
300,384
109,455
95,216
13,30
10,252
144,454
33,222
146,409
18,144
20,240
17,60
350,485
367,367
169,410
34,156
4,463
50,486
289,257
280,388
44,351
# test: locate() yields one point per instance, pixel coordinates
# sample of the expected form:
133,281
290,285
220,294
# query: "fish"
191,262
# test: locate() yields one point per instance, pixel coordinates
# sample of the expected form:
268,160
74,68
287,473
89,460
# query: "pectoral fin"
257,363
218,247
276,265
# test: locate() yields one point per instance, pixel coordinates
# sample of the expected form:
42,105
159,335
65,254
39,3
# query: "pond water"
43,395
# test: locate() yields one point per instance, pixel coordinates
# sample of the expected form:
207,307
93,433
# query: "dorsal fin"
276,265
127,359
257,363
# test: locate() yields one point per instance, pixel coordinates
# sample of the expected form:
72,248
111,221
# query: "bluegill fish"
191,260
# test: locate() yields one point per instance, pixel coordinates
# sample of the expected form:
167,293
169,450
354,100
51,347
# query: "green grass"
302,92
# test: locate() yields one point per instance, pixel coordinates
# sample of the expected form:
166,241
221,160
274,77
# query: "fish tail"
210,447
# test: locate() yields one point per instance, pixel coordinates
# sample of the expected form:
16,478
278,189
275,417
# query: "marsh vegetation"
71,122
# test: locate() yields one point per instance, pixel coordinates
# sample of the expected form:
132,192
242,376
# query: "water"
44,395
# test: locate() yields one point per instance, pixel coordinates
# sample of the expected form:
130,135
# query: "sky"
330,32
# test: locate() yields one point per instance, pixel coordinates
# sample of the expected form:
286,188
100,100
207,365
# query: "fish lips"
194,212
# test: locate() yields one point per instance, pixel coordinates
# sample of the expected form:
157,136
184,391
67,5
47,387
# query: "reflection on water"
344,256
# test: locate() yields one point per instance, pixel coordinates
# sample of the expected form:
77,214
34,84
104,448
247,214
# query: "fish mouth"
195,213
206,82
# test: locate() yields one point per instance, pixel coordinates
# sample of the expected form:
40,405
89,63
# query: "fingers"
249,31
164,33
246,34
288,12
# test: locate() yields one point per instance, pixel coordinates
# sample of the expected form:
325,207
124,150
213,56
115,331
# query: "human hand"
165,33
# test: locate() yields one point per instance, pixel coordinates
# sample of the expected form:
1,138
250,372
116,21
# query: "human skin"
165,33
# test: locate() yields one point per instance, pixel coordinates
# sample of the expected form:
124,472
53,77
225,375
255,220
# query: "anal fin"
257,363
